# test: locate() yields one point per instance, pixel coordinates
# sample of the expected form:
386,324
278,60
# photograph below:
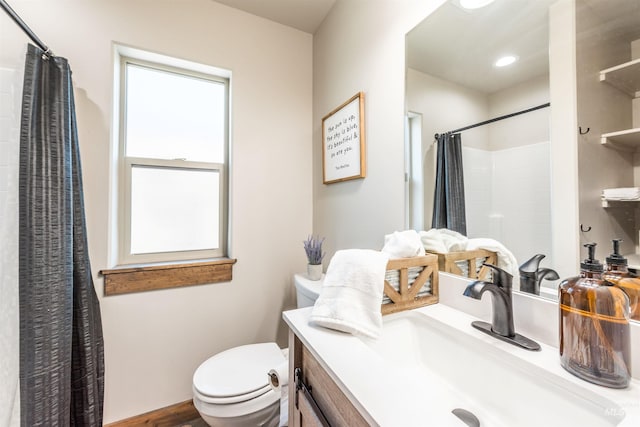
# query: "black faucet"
501,326
531,275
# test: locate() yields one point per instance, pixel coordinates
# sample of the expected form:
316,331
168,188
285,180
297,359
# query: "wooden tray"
410,294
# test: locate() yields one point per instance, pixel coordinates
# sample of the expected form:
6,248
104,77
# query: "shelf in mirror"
624,140
620,203
625,77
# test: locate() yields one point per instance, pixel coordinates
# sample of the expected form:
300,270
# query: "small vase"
314,271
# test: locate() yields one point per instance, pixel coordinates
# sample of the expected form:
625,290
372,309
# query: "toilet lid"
238,371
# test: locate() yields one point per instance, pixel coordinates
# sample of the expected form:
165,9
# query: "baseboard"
169,416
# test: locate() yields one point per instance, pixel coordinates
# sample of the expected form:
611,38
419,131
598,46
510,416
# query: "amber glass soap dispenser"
616,273
594,327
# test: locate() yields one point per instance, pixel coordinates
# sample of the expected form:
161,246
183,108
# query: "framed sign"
343,143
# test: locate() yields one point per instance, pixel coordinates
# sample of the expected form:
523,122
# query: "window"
173,160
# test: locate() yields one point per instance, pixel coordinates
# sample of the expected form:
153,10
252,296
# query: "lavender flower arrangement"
313,248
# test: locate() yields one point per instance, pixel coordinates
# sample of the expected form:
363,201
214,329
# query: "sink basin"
431,367
500,384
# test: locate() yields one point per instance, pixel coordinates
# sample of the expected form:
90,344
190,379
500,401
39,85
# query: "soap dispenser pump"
594,326
615,261
616,273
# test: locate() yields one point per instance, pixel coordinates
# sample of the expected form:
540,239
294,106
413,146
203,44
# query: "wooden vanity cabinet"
331,406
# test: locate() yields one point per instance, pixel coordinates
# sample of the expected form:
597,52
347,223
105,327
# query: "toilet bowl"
231,388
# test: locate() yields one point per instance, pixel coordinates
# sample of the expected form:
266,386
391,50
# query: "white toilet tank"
307,291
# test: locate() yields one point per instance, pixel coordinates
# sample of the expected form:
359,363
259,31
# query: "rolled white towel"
352,292
434,245
506,260
450,241
403,244
455,243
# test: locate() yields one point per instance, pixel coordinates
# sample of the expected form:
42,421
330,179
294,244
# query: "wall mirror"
510,196
455,82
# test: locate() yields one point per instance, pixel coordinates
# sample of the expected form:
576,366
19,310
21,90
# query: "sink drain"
467,417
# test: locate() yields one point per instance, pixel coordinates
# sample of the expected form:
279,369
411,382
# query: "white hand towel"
352,292
506,260
433,245
449,240
403,244
454,243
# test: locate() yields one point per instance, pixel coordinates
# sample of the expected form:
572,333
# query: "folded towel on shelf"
443,240
403,244
352,292
506,260
626,193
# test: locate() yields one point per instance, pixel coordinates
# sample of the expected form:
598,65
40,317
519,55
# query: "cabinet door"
309,417
332,403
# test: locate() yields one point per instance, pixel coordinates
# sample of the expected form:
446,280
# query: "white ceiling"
453,43
461,45
305,15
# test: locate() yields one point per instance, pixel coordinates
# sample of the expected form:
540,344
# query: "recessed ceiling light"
474,4
505,60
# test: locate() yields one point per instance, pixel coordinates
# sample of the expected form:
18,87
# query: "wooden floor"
198,422
182,414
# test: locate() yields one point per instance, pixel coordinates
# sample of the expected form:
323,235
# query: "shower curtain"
448,201
61,346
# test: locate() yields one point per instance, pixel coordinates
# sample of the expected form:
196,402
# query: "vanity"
430,362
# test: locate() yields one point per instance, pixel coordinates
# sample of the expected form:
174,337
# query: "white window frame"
126,164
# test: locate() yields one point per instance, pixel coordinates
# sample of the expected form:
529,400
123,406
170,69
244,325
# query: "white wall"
507,198
446,106
360,47
478,190
155,340
521,178
525,129
10,101
521,201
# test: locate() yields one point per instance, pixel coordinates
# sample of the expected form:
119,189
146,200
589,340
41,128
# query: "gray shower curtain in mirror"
448,201
61,346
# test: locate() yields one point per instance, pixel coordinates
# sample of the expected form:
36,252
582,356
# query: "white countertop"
389,395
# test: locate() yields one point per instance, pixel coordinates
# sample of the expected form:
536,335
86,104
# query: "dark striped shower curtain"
61,346
448,201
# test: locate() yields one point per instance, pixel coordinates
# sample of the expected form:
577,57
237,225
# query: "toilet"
231,388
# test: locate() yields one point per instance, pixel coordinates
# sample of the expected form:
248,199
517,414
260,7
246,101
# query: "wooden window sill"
127,279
